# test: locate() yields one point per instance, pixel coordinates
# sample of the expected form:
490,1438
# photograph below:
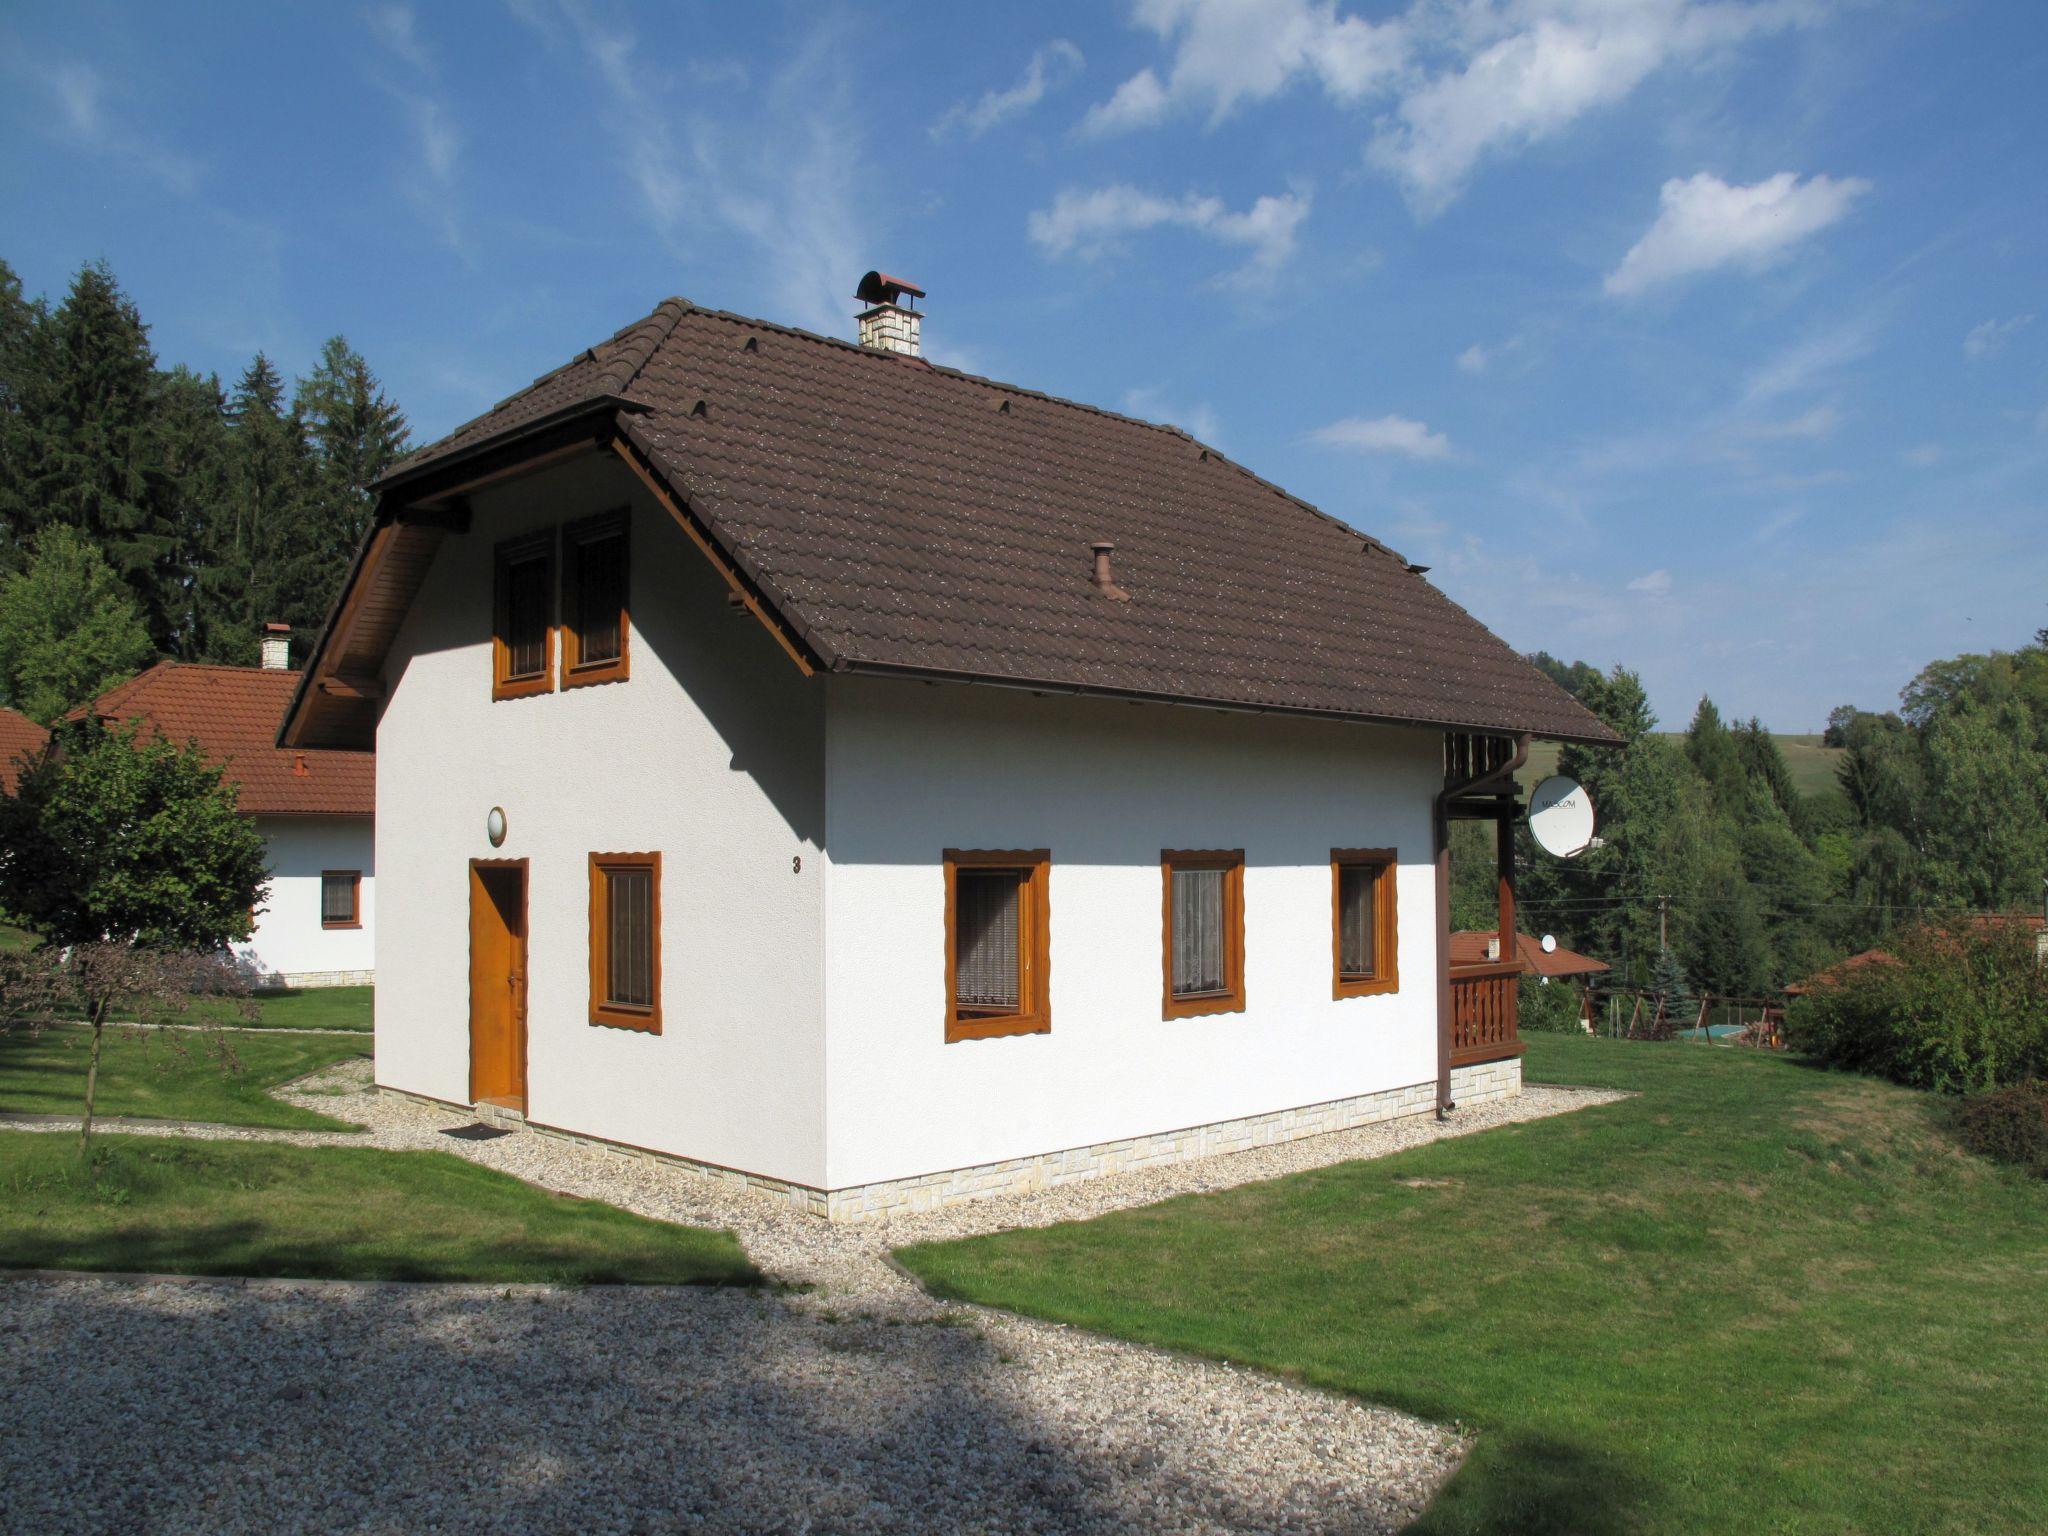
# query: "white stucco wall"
711,753
289,941
1105,786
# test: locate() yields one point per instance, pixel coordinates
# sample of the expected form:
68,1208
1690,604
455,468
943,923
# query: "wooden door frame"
525,953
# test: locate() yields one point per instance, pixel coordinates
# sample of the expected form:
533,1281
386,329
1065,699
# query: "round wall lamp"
494,826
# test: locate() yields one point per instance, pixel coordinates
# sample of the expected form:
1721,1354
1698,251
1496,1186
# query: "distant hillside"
1812,765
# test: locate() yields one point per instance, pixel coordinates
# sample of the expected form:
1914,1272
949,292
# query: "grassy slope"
168,1075
1757,1296
239,1208
1812,765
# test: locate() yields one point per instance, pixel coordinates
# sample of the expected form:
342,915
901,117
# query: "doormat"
477,1132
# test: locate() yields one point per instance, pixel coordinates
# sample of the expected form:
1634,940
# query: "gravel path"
859,1404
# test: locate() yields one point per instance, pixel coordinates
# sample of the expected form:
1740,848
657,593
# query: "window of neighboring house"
341,898
523,632
1362,908
594,622
625,940
998,951
1204,924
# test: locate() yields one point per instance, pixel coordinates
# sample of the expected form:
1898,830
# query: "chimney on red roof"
889,324
1104,582
277,647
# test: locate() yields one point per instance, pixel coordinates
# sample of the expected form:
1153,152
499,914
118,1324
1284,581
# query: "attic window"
523,632
595,618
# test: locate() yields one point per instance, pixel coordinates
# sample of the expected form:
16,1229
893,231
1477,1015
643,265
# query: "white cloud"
1474,359
1199,420
85,119
1091,224
428,179
784,181
1922,456
1656,583
1705,223
1385,434
1051,66
1229,51
1809,426
1989,339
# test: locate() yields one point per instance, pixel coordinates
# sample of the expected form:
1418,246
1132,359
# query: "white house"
889,786
315,925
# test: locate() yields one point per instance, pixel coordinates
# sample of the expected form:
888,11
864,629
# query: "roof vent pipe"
1104,583
889,323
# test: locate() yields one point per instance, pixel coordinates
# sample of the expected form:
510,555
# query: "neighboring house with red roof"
890,786
315,807
21,739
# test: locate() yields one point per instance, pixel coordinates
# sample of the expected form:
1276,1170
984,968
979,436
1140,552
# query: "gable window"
998,951
594,621
625,940
523,632
1204,928
341,898
1362,914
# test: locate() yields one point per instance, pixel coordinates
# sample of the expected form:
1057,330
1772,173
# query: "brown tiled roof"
898,516
1468,947
233,713
20,738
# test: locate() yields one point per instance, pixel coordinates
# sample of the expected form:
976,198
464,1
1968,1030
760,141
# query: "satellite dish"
1550,943
1561,816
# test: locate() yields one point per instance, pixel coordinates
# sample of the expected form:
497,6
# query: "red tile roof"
20,737
903,518
233,713
1468,947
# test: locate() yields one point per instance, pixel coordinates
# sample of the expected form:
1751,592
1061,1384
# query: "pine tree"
24,377
356,434
89,449
1675,1000
191,487
263,564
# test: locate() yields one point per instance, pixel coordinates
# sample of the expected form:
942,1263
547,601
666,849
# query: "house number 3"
796,863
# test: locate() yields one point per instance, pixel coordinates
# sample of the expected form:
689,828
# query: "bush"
2009,1126
1551,1010
1965,1010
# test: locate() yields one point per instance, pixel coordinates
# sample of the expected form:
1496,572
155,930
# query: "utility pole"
1663,909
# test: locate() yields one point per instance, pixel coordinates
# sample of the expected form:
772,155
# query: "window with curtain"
997,951
1204,923
340,890
1362,913
625,940
594,597
523,632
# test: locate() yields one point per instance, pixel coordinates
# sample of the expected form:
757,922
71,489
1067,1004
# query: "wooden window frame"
355,898
506,555
1386,926
1231,862
1034,945
577,673
602,1011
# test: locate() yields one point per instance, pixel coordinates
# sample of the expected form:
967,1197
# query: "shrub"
1965,1010
2009,1126
1551,1010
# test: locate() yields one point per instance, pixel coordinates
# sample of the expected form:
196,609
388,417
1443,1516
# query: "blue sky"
1707,337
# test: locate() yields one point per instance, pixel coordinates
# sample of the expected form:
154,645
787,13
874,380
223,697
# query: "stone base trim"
274,981
1477,1084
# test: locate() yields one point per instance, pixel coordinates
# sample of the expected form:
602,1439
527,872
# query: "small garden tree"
132,861
1676,1005
69,628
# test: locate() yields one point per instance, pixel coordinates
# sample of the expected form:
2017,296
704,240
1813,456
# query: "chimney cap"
881,288
275,628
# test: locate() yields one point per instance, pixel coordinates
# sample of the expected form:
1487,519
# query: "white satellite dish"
1561,816
1550,943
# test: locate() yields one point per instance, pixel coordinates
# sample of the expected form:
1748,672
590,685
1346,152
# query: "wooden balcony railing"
1483,1012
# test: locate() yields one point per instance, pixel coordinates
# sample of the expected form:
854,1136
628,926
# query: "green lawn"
1757,1297
16,938
300,1008
169,1205
169,1074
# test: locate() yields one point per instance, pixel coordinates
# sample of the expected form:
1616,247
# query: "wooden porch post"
1510,950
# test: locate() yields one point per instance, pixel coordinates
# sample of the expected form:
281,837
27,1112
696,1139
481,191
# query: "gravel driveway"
857,1405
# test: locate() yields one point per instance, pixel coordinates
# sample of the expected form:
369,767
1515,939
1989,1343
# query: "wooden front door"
497,983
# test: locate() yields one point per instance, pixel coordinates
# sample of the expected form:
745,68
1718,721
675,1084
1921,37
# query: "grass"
172,1206
1757,1296
293,1008
1812,765
15,938
168,1075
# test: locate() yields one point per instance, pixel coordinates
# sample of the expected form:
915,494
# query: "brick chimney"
889,324
277,647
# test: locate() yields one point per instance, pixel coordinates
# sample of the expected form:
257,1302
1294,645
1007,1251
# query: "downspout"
1493,778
